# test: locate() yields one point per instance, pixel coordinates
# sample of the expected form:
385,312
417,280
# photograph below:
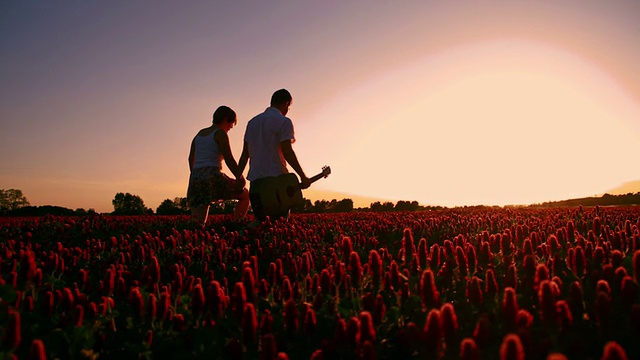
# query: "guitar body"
275,196
279,194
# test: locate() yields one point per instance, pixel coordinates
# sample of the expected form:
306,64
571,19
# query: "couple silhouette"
267,149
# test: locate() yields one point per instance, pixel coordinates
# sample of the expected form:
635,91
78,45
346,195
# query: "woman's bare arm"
222,139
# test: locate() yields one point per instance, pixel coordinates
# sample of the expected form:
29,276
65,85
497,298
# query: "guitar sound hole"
290,191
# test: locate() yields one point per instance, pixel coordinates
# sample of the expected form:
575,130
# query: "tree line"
130,204
14,203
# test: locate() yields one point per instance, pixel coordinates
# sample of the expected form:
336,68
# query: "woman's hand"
240,183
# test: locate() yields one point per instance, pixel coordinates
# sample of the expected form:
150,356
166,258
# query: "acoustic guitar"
281,193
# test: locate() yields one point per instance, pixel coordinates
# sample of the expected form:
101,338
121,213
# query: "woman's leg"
242,206
199,193
200,214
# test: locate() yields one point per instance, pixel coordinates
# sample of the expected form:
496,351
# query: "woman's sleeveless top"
207,152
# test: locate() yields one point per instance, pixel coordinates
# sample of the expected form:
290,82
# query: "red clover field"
464,283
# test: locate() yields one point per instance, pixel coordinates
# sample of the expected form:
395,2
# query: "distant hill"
46,210
625,194
626,188
604,200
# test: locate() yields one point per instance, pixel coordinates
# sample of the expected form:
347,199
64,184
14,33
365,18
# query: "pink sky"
447,103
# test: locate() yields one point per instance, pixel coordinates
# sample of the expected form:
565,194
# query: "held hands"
240,183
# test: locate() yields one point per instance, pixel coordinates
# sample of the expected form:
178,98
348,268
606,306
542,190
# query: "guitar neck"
323,174
316,177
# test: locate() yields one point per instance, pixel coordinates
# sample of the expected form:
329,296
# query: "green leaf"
8,293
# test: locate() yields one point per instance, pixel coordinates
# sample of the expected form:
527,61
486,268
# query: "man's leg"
265,200
256,206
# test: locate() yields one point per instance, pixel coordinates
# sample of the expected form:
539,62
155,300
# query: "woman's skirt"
207,185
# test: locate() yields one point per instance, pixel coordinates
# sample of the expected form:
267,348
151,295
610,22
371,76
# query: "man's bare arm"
244,157
192,154
292,159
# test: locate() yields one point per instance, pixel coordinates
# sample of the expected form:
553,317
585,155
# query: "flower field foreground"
462,283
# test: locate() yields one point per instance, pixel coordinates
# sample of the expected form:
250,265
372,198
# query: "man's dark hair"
224,112
280,97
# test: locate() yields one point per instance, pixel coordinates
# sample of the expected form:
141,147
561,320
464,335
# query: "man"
267,147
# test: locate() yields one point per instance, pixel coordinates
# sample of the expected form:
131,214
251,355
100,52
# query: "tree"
380,207
344,205
222,207
12,199
42,211
321,206
182,204
177,206
306,207
83,212
325,206
407,206
128,204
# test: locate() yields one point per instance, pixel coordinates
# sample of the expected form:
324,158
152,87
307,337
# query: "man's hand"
305,182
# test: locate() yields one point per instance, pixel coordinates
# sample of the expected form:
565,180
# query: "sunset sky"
444,102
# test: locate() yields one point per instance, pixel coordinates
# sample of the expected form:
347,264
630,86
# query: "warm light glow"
502,122
443,102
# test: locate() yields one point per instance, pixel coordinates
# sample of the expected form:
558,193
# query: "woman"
207,183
